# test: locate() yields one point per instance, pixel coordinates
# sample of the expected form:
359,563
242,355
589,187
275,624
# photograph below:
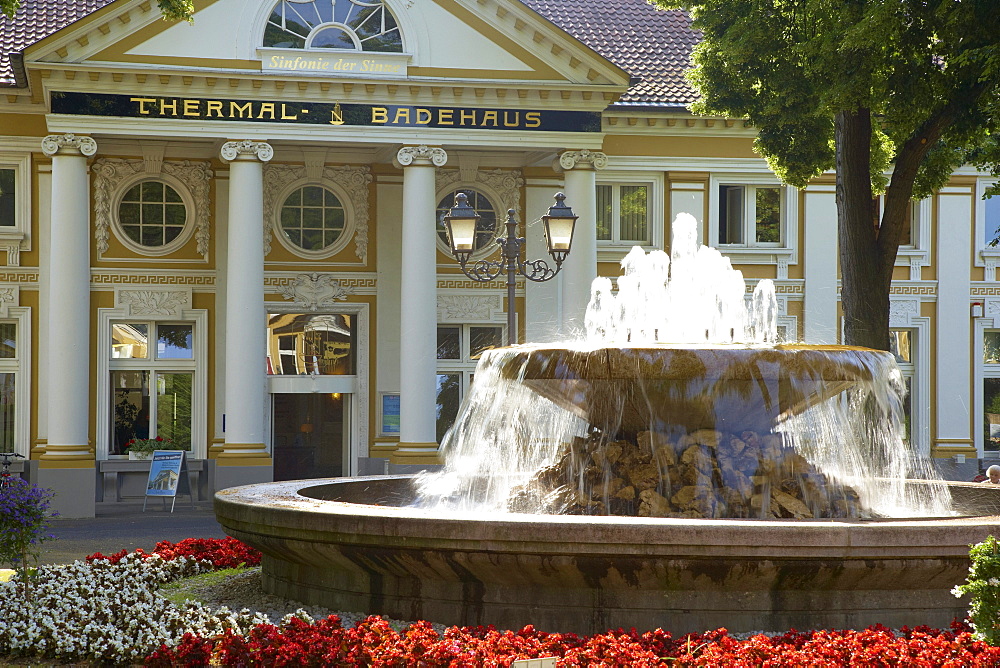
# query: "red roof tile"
36,20
652,45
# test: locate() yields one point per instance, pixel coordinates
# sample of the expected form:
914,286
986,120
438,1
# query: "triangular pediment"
452,41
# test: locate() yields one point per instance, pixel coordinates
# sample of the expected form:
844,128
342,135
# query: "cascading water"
681,403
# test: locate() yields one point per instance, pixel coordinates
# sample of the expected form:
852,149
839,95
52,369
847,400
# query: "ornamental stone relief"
901,311
10,295
465,308
111,173
69,144
507,184
436,156
314,291
583,158
355,181
160,303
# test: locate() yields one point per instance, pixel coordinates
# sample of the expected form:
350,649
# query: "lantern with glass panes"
558,224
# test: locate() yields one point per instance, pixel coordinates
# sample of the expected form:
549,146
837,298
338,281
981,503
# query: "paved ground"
124,526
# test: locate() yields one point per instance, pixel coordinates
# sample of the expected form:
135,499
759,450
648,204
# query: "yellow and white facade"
226,233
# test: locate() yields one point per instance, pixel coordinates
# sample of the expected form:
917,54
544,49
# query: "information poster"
167,474
390,414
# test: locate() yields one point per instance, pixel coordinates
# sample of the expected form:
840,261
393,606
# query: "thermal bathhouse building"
228,233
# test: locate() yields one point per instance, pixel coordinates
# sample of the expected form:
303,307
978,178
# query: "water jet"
630,481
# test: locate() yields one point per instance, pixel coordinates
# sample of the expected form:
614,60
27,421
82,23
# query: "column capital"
69,144
246,149
421,154
584,159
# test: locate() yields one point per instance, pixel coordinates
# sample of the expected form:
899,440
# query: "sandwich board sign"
168,476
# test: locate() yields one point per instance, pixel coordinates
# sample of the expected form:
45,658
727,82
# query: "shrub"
983,586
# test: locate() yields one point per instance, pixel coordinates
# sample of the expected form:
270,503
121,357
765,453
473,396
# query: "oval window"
152,214
312,218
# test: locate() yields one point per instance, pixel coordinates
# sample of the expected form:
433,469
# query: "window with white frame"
901,345
624,213
15,210
991,390
988,216
458,351
311,344
152,368
361,25
750,215
8,195
9,368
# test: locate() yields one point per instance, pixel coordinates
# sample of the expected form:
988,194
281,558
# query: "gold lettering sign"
321,112
290,60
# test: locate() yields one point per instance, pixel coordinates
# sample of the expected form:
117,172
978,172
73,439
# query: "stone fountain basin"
351,544
725,387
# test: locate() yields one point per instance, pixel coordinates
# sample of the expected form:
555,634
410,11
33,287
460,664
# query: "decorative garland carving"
468,307
315,290
246,149
406,155
110,173
166,303
70,143
354,180
507,184
585,157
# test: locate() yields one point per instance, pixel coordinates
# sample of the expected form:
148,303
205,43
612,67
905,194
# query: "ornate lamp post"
460,224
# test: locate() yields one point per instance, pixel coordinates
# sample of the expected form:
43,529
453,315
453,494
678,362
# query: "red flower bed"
221,552
373,643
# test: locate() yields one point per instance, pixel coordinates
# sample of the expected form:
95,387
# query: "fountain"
630,482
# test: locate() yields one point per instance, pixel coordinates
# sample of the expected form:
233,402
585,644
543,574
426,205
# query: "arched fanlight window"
359,25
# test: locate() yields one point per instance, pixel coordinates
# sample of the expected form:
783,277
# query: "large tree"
893,94
171,9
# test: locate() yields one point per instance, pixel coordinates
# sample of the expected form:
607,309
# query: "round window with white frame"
313,220
151,216
486,226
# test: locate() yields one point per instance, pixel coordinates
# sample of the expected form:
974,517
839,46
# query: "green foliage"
926,72
173,10
983,585
195,587
24,524
790,65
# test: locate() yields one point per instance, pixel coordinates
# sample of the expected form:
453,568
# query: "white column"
580,268
953,434
418,308
68,350
819,247
246,327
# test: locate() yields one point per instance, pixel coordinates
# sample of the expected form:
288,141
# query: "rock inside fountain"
682,402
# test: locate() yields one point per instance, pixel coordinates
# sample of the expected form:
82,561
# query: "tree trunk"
865,277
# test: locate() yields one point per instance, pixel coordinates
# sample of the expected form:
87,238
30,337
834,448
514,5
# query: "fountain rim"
284,510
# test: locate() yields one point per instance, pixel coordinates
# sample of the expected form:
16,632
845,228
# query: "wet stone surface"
701,474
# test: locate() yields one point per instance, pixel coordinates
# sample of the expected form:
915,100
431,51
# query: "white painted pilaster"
418,308
820,250
954,368
68,312
542,301
580,268
246,327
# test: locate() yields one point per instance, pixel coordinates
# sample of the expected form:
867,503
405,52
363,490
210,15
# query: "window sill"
607,252
756,255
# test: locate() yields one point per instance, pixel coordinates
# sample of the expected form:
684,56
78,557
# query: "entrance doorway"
310,435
